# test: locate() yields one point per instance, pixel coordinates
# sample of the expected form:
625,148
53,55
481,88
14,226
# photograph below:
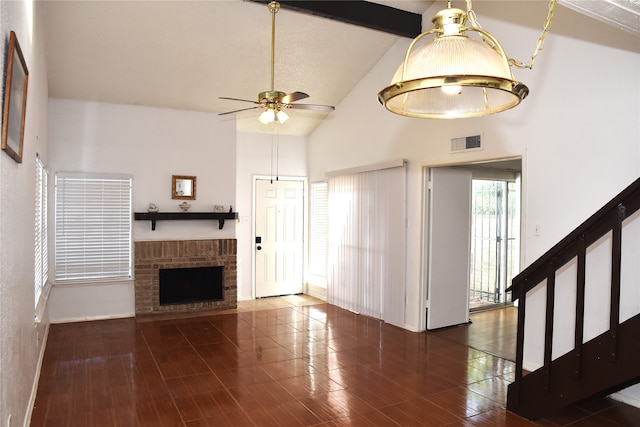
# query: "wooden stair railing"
605,364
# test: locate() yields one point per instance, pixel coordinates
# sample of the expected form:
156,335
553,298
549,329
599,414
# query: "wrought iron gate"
494,241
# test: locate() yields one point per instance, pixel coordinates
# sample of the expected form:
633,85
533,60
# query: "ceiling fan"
273,102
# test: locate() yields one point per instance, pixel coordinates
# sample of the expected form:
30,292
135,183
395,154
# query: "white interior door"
448,247
279,244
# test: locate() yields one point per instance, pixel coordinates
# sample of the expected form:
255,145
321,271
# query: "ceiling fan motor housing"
270,96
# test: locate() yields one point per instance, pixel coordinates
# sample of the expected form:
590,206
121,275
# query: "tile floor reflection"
288,361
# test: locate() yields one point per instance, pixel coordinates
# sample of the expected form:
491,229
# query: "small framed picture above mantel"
15,100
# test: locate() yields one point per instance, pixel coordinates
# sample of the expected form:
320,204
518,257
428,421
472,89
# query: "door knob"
259,248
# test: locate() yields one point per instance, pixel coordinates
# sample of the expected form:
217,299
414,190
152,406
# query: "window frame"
41,246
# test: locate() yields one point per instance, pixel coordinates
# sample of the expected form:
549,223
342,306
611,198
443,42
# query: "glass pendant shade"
282,116
270,115
453,75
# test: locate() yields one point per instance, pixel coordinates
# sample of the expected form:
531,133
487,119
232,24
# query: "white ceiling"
186,54
622,14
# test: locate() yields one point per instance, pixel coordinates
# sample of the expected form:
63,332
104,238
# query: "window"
93,227
318,232
41,270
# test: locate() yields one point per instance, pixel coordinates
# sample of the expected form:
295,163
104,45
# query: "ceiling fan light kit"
455,75
273,102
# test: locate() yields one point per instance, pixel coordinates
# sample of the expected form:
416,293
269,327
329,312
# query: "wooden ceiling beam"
363,13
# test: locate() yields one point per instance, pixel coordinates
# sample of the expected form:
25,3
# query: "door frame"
424,220
305,225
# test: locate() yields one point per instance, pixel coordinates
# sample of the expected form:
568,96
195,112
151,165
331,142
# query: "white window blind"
319,230
93,227
41,270
367,242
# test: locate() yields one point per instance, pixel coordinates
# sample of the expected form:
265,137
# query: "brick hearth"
152,256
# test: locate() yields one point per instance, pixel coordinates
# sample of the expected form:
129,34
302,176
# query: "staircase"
605,364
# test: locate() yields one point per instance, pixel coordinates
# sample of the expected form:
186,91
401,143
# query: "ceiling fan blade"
237,111
293,97
314,107
238,99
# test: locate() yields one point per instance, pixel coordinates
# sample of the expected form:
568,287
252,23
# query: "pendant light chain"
275,155
539,46
278,151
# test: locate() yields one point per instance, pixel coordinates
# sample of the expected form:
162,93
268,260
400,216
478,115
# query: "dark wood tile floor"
491,331
293,361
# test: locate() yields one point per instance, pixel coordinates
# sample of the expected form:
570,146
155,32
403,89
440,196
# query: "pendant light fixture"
456,75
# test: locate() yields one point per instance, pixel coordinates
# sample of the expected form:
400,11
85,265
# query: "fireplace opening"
189,285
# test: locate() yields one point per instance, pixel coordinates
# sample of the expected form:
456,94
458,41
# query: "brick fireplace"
153,256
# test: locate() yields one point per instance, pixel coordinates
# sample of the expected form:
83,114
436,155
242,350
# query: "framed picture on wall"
15,101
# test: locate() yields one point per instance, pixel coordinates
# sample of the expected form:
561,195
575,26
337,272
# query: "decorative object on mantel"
152,208
184,206
218,208
159,216
15,100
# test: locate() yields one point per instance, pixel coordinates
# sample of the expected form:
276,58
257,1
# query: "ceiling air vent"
466,143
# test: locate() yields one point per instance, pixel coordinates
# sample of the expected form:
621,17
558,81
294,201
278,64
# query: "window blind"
93,227
319,230
40,244
367,242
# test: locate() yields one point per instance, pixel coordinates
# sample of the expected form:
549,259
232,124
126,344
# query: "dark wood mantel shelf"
162,216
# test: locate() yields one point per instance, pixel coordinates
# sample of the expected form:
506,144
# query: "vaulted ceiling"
186,54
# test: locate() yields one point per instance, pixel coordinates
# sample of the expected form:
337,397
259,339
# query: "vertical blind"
367,242
93,227
41,249
318,230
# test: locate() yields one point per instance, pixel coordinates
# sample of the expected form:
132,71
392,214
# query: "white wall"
579,140
21,339
254,159
151,144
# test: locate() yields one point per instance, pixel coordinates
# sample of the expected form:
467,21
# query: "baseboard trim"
36,379
91,318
